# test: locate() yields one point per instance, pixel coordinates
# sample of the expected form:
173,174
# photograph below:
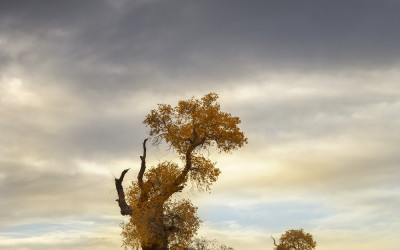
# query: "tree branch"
178,184
201,142
172,229
143,164
125,208
274,241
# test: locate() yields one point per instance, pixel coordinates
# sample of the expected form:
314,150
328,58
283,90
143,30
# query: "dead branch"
125,208
143,164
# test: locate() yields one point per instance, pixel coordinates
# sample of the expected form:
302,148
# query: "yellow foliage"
196,122
203,173
158,221
296,240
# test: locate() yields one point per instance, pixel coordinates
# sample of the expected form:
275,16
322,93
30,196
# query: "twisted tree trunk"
160,242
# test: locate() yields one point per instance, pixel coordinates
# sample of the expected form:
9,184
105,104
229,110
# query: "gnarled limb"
143,164
143,190
274,241
125,208
188,157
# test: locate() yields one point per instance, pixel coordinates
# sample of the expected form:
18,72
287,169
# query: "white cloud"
322,117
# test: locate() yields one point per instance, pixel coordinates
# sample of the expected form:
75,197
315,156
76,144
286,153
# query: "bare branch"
274,241
125,208
143,165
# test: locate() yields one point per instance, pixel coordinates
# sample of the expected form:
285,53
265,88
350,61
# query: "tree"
157,219
295,240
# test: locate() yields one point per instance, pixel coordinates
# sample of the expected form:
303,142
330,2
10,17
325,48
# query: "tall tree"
295,240
157,220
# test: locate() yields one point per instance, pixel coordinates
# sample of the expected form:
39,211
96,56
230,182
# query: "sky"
316,84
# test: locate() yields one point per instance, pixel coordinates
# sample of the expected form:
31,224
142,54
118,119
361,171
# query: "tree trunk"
157,231
156,226
154,247
161,243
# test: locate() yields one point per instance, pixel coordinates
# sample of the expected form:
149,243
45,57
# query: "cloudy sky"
316,84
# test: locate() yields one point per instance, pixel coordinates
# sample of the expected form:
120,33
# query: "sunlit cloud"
317,91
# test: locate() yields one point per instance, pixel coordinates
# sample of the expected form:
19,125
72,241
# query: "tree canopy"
295,240
158,220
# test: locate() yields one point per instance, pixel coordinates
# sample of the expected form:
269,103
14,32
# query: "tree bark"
143,164
154,247
125,208
161,240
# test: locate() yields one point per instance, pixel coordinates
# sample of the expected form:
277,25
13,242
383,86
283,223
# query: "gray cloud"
314,82
31,193
106,136
162,45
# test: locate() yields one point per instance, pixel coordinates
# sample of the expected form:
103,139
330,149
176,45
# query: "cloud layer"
315,84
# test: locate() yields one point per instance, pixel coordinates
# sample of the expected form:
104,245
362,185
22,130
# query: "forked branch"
125,208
